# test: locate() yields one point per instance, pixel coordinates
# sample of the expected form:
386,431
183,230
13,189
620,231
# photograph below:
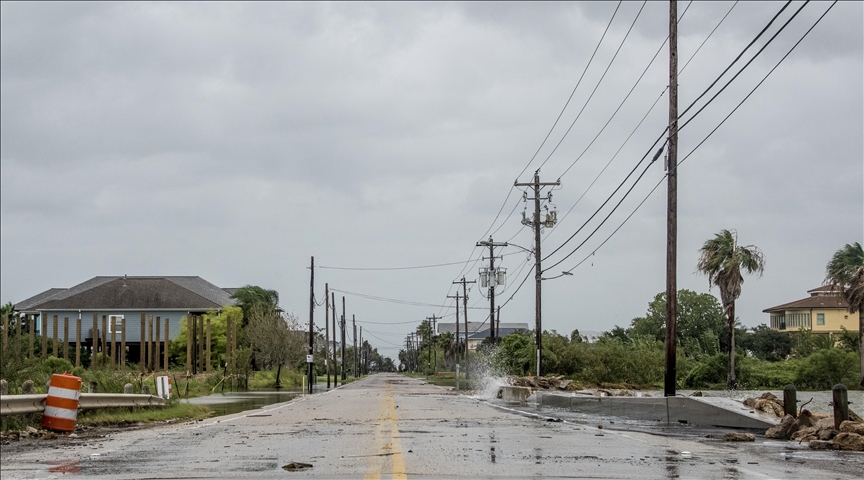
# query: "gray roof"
139,293
478,327
37,299
502,332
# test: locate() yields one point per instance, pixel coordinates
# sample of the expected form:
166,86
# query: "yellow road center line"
387,441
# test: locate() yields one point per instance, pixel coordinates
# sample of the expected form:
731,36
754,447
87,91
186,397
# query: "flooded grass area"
227,403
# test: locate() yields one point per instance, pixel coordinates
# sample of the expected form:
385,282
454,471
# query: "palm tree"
845,272
722,259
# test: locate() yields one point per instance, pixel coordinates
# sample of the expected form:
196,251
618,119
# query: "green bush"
826,368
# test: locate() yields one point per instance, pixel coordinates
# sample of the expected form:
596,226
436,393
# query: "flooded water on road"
228,403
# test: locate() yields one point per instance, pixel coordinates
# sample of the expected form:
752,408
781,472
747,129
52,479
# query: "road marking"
387,439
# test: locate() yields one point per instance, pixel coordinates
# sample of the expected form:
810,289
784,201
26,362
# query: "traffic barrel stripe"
61,404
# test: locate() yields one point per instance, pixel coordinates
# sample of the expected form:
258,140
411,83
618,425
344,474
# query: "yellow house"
824,311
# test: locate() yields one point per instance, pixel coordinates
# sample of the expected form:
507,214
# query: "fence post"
27,387
4,387
56,349
122,356
188,344
207,366
32,327
157,357
105,340
94,342
841,404
78,342
113,341
44,318
166,345
94,387
65,338
141,349
128,389
790,400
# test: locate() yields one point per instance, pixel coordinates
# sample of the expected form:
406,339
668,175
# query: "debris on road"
739,437
297,466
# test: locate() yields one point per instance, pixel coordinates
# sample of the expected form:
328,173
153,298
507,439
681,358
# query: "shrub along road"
392,426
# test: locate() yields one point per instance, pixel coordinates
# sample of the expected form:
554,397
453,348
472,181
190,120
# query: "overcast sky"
234,141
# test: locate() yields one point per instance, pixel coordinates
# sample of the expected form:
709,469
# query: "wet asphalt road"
391,426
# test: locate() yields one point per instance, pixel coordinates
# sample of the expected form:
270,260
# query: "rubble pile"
818,431
768,403
540,383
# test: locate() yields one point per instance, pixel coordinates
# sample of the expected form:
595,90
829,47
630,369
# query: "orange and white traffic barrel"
61,404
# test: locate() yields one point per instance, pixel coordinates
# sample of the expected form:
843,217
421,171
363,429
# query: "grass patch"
116,416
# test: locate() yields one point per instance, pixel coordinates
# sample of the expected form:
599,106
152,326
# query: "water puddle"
228,403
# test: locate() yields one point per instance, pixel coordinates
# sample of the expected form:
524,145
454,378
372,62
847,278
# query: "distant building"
478,331
590,336
122,297
824,311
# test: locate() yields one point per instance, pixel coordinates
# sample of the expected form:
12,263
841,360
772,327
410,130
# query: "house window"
820,319
119,320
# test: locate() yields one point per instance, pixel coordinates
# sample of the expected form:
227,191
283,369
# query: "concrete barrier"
703,411
515,394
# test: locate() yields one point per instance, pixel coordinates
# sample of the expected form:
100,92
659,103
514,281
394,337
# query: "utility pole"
354,339
672,211
498,323
335,370
465,314
458,340
327,331
434,345
311,365
344,373
535,222
360,353
492,277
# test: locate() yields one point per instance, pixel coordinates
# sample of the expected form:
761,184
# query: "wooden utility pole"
465,314
327,331
492,279
335,369
458,341
360,352
354,339
310,352
672,211
537,223
432,343
344,373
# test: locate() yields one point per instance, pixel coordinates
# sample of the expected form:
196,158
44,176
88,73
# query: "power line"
398,268
760,82
742,68
739,56
595,86
688,121
626,140
706,38
638,80
579,82
390,300
707,136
